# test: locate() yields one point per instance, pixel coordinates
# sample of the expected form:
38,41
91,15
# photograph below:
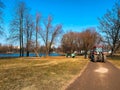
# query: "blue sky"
74,15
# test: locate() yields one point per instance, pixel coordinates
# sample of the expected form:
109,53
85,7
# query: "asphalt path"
97,76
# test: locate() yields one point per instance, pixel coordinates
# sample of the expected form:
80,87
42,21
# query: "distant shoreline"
30,55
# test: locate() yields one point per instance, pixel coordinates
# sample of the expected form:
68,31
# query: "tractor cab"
98,49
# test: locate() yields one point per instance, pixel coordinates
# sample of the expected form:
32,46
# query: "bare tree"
17,25
110,26
29,30
79,42
49,34
37,30
89,38
1,19
69,42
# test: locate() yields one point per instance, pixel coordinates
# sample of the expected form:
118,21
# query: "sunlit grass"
115,60
50,73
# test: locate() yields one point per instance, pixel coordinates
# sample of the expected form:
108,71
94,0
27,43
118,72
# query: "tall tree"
110,26
1,19
17,25
37,30
89,38
29,30
79,42
49,33
69,42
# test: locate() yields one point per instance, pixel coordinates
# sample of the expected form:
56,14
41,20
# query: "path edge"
84,68
114,65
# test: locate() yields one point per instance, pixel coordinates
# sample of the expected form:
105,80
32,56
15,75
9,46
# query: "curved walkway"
97,76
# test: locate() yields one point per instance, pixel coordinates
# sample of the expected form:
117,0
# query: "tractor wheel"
104,58
95,58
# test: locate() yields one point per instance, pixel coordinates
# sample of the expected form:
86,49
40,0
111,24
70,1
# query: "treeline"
109,26
7,49
82,41
30,31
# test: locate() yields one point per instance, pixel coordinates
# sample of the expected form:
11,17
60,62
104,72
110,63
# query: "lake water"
31,55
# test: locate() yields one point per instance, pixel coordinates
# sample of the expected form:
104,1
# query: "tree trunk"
112,52
27,51
85,55
27,54
47,52
20,46
36,52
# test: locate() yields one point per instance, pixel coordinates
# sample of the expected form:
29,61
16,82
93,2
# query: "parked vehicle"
70,55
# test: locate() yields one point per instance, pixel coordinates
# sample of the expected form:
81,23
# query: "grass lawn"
50,73
115,60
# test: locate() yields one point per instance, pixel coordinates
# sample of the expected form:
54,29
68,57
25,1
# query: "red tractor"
97,54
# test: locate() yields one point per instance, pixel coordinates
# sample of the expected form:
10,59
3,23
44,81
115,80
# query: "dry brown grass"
115,60
45,73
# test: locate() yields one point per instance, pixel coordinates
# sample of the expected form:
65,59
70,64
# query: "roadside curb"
76,76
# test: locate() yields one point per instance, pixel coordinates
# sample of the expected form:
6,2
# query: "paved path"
97,76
